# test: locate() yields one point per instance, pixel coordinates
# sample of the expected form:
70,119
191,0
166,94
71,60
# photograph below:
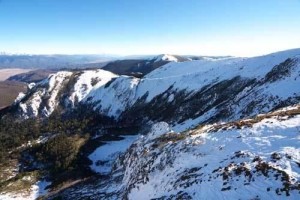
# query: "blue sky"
126,27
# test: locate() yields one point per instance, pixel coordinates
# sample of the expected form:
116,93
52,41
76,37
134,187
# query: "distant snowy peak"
166,57
183,58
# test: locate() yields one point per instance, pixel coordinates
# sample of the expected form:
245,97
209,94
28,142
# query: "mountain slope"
189,92
255,158
63,88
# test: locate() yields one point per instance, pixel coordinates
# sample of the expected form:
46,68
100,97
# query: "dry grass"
8,170
22,182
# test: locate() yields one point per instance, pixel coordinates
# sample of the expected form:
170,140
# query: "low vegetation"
55,147
60,152
22,182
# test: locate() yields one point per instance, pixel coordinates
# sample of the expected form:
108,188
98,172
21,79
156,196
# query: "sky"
144,27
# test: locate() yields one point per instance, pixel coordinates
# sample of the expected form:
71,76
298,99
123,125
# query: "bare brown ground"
6,73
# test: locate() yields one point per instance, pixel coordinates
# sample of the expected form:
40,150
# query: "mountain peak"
166,57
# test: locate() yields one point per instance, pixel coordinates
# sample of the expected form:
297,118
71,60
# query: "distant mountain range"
80,61
50,61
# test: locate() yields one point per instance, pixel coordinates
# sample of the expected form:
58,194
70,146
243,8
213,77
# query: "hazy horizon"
134,55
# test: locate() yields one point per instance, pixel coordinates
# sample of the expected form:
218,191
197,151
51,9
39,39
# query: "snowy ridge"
122,93
46,90
115,98
87,81
191,76
44,97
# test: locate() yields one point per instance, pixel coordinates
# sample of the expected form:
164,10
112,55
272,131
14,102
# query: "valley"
9,91
6,73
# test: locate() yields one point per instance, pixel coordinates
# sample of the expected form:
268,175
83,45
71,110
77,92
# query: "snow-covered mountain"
180,93
141,65
220,128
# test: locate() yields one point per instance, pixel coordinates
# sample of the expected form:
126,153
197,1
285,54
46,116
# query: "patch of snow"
104,156
88,81
31,85
115,98
157,130
171,98
191,123
20,96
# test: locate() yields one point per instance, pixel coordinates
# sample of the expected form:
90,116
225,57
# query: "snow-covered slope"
66,88
88,81
113,99
43,99
256,158
261,161
188,90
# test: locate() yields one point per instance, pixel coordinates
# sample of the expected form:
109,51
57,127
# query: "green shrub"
60,152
